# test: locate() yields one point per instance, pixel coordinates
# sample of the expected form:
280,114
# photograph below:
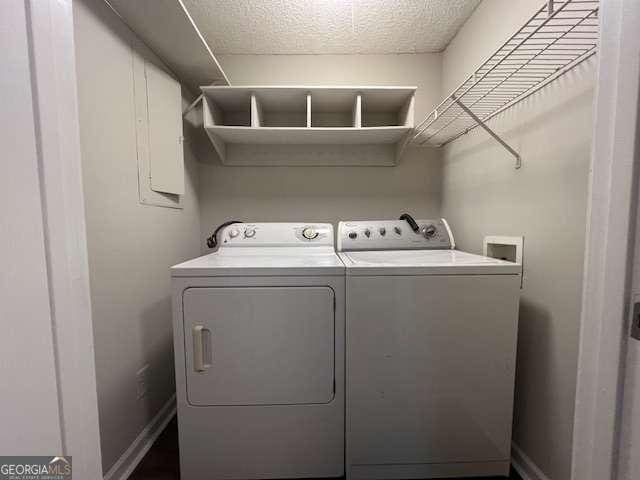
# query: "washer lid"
263,262
424,262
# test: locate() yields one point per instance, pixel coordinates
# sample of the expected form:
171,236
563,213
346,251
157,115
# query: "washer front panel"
430,370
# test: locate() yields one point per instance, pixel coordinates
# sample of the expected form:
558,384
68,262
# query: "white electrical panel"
159,135
165,131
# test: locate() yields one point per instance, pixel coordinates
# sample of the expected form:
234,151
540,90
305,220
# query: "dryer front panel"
259,345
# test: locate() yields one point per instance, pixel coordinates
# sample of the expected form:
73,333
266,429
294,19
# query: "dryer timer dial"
310,233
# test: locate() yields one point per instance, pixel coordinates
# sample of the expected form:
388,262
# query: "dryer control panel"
394,235
275,234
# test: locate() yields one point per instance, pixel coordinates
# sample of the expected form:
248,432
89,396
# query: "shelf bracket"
495,136
193,105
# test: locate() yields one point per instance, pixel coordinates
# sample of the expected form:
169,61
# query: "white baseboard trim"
525,467
130,459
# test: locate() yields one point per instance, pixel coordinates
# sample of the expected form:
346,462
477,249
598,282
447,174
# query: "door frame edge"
607,274
55,104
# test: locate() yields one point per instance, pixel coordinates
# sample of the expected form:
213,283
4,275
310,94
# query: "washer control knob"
249,233
353,235
382,231
233,233
309,233
398,230
429,231
367,233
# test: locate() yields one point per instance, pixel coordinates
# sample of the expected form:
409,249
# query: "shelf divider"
256,111
308,109
357,111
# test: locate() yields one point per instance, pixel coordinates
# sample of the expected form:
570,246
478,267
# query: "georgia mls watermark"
35,468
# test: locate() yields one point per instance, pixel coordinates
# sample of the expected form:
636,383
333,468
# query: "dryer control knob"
367,233
429,231
398,230
233,233
353,235
249,233
383,231
309,233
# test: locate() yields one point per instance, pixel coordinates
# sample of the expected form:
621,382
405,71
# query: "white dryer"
431,345
259,355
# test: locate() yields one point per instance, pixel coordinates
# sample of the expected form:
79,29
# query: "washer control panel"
394,235
276,234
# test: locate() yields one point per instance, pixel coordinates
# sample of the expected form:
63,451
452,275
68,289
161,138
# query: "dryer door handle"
200,361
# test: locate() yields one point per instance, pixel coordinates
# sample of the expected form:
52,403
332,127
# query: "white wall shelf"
308,135
561,34
299,125
159,23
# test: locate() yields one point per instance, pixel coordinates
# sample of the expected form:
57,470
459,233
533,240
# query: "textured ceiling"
329,26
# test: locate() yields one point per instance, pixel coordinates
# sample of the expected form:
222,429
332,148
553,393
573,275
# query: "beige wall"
131,245
326,194
546,201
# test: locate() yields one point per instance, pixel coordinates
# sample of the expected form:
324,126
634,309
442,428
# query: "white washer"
431,344
259,355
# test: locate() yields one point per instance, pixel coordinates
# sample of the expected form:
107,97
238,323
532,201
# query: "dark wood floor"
162,460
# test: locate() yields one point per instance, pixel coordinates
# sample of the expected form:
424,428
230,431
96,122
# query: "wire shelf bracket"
490,132
558,37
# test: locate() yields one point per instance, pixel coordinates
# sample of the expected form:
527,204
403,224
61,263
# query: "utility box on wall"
159,135
164,104
510,249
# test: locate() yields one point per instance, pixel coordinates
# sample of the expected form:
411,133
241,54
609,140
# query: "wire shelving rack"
559,36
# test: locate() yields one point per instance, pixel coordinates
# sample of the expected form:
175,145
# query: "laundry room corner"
337,239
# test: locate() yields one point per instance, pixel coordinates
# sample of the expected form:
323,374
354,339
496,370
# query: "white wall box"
506,248
308,125
159,136
164,102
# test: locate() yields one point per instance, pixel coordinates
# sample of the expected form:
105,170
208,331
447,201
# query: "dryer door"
259,345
